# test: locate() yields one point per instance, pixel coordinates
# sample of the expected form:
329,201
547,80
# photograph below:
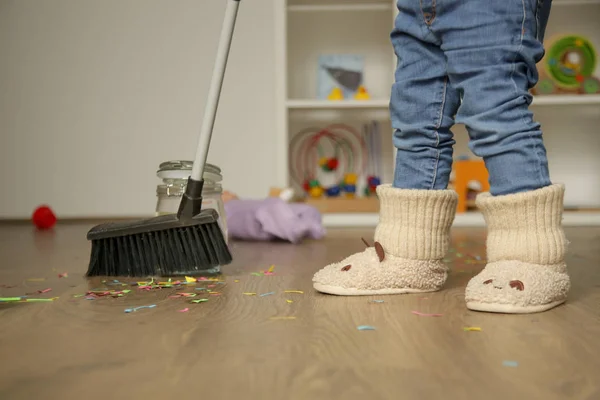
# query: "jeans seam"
514,67
437,133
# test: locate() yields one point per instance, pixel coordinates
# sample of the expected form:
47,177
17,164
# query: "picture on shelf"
340,75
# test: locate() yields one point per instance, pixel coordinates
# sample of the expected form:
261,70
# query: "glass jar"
174,175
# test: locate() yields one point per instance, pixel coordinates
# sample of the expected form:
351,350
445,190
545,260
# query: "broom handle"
214,92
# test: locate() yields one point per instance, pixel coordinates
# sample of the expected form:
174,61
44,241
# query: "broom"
187,243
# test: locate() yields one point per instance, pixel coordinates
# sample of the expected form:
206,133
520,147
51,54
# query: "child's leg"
492,48
413,233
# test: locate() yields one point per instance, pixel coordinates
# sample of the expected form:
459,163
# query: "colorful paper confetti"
293,291
25,300
63,275
425,314
472,329
266,294
190,279
377,301
236,280
249,293
289,301
510,363
284,318
134,309
184,310
198,301
365,328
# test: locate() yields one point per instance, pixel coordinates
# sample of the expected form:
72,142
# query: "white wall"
94,94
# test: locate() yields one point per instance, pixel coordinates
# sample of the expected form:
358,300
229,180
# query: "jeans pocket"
542,14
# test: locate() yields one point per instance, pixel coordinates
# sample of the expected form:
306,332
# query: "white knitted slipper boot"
411,240
526,245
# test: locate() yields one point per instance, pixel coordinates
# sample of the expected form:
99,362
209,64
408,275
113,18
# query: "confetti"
472,329
236,281
201,288
10,299
190,279
266,294
214,293
184,310
365,328
256,274
268,273
289,301
509,363
211,286
25,300
271,268
134,309
377,301
293,291
249,293
199,301
425,314
282,318
184,295
63,275
8,286
78,295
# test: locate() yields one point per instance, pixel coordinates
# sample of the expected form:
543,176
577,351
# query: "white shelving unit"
307,28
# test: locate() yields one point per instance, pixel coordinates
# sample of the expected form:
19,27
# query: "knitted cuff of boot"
372,272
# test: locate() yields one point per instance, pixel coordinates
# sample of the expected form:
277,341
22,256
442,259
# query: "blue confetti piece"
129,310
365,328
266,294
377,301
201,288
509,363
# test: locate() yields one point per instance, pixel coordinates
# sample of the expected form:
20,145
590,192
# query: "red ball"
43,217
332,164
306,186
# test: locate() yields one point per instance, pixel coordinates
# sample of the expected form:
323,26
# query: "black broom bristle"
161,246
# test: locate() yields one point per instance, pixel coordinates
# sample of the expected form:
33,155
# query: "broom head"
161,246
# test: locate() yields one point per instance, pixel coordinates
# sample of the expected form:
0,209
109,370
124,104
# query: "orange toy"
466,171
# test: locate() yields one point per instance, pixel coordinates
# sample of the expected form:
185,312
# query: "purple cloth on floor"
272,218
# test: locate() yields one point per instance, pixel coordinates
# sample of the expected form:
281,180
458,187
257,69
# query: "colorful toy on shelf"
330,158
373,140
343,72
362,94
336,94
568,67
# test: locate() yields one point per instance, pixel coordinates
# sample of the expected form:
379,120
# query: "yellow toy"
316,191
350,179
362,94
336,94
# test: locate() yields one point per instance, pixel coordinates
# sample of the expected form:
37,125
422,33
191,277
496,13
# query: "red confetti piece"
184,310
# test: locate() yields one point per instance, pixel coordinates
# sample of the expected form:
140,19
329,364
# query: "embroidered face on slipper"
519,284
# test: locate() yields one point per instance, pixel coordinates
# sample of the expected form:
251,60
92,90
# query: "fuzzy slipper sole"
341,291
511,309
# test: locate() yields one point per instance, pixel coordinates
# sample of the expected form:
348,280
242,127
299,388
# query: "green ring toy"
569,60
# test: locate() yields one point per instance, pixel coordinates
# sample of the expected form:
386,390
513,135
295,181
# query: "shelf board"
574,2
329,104
340,7
560,99
468,219
384,103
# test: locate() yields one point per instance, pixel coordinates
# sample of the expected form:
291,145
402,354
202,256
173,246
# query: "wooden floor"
232,347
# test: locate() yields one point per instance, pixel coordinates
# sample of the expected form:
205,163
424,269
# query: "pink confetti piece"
202,278
63,275
268,273
184,310
425,314
44,291
211,286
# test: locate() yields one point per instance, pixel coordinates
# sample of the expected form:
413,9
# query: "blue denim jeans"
469,62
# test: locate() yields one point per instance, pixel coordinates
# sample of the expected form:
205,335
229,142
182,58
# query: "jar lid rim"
185,165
